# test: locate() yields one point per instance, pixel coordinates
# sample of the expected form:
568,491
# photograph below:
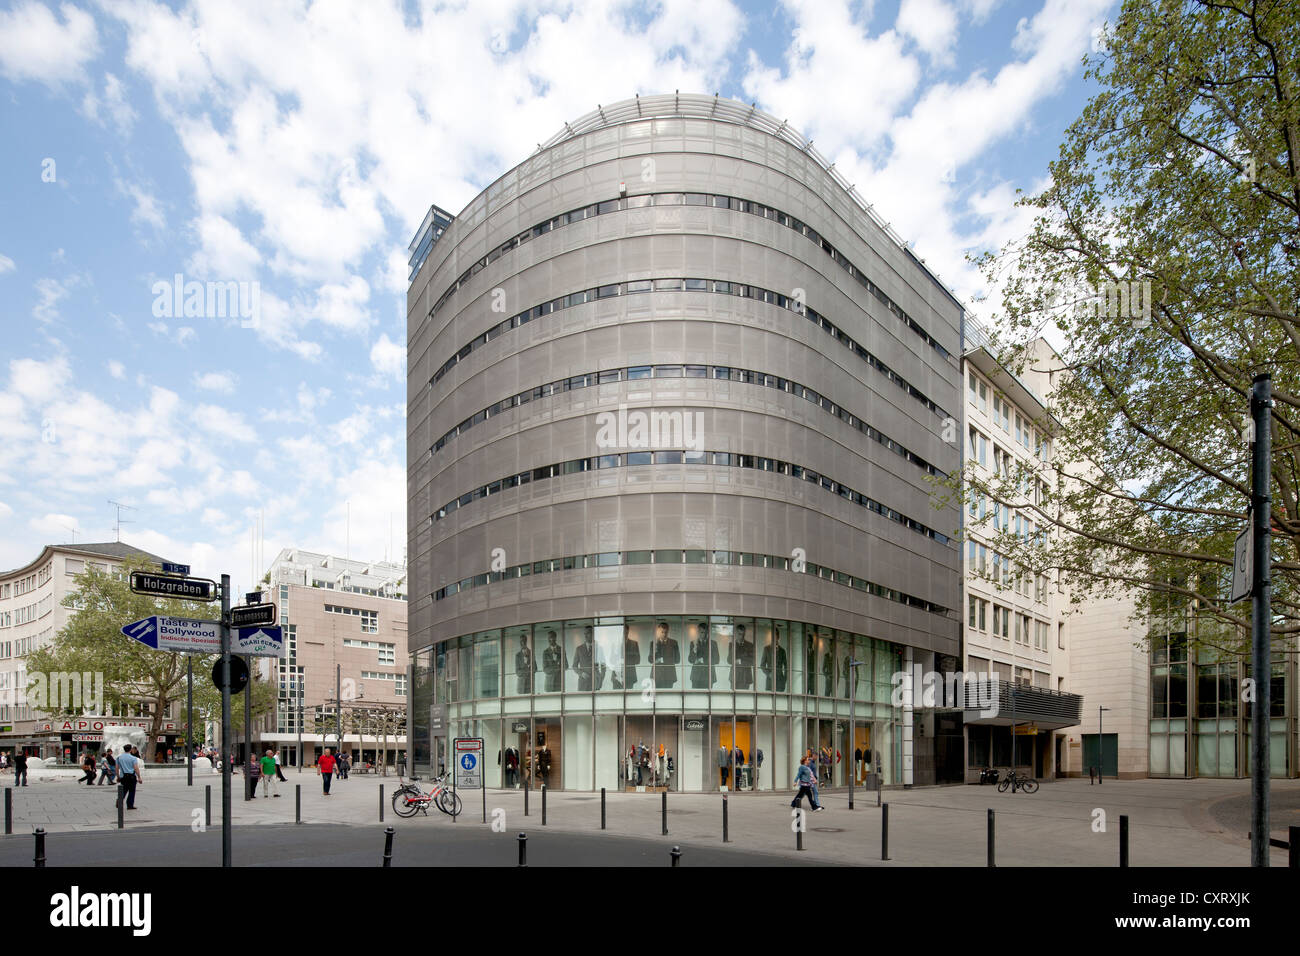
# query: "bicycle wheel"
404,804
449,802
1003,784
1029,786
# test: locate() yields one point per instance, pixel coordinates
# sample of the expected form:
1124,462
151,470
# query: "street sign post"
260,641
467,771
176,634
161,585
252,615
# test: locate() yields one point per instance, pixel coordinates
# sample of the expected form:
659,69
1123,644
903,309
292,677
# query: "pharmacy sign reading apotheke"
97,724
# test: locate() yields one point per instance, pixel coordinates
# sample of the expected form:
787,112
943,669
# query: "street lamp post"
853,724
1101,748
302,677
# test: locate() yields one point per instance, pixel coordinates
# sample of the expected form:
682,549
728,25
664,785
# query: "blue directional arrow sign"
259,641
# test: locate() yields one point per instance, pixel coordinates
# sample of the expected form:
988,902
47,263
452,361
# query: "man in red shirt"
325,767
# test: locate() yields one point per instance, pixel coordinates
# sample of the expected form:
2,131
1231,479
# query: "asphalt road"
336,845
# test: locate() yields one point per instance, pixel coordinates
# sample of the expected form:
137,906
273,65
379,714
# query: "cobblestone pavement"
1172,822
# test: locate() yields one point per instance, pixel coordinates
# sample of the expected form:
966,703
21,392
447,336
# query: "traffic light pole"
225,721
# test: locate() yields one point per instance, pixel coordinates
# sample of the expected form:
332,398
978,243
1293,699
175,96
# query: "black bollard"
40,848
381,803
884,831
207,804
676,855
1293,849
297,803
388,846
523,849
991,843
526,789
725,835
120,822
664,811
798,830
9,810
543,804
602,808
1123,839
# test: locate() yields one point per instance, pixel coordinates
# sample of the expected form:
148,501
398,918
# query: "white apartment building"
1014,623
345,629
31,613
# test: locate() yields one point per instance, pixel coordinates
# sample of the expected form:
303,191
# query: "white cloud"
5,510
50,293
34,45
147,210
388,357
6,264
39,382
112,105
932,24
53,526
217,381
116,369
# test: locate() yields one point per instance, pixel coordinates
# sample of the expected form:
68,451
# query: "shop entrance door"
735,754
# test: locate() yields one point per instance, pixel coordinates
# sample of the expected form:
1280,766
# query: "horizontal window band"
718,286
742,559
724,373
716,459
713,200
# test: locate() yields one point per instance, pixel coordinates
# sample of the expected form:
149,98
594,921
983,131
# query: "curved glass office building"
676,400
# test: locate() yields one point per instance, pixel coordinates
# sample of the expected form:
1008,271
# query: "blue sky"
297,146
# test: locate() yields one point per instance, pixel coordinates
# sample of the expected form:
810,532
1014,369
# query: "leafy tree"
1178,187
135,678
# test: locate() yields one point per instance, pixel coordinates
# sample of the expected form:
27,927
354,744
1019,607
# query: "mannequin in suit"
703,657
525,667
665,656
741,656
631,659
774,670
552,662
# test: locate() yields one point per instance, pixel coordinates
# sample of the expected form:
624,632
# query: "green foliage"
133,674
1181,173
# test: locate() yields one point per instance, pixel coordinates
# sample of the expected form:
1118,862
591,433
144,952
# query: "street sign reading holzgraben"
252,615
161,585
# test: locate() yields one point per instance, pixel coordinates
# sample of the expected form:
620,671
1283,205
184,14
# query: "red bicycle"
409,799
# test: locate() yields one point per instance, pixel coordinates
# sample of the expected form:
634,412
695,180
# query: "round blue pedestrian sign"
467,761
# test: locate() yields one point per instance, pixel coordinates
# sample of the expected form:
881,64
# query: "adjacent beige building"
345,631
31,613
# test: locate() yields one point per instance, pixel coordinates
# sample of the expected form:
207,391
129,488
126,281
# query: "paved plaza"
1172,822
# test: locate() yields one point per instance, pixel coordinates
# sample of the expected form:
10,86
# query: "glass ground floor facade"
683,703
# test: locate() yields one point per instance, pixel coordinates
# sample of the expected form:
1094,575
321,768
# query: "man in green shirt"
269,785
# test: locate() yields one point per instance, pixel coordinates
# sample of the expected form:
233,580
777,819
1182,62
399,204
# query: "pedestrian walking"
88,768
253,771
20,768
805,780
343,765
269,769
107,768
325,767
130,773
279,774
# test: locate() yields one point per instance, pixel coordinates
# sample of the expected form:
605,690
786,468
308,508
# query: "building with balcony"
674,397
1016,627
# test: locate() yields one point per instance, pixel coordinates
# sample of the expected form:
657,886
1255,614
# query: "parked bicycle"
409,799
1017,782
